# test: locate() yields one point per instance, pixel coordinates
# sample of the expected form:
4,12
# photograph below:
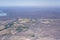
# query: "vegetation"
21,28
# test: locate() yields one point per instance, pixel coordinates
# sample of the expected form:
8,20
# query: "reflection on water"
3,14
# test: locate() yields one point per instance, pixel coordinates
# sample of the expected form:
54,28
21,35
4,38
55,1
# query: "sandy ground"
39,29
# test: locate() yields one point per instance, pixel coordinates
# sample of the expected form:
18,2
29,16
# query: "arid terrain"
30,29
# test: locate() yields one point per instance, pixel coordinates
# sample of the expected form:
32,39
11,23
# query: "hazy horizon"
38,3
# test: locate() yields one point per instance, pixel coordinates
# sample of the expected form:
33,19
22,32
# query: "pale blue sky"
29,2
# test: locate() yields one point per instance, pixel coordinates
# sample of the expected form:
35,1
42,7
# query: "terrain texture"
30,29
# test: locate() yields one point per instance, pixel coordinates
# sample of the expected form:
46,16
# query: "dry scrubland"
30,29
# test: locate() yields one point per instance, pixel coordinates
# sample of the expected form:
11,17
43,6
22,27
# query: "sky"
29,2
